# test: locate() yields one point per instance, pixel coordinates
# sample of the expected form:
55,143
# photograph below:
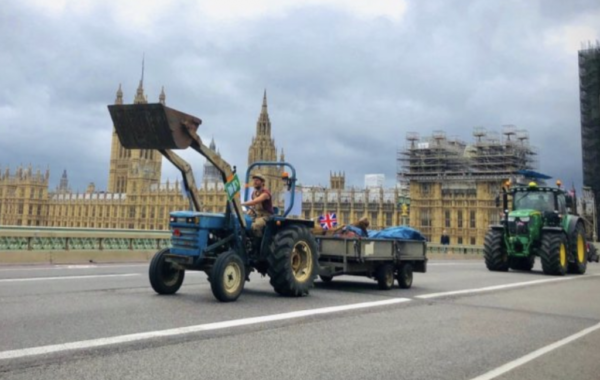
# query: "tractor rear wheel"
164,277
385,276
293,261
578,250
554,254
494,251
405,276
228,277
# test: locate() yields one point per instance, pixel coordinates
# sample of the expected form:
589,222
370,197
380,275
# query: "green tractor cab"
537,221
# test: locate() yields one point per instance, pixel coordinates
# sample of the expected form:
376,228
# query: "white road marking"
14,354
68,277
85,266
535,354
500,287
455,263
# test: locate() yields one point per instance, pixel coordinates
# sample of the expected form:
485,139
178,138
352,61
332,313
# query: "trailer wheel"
326,279
228,277
293,261
405,276
385,276
164,277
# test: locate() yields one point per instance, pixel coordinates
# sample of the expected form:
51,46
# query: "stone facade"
136,199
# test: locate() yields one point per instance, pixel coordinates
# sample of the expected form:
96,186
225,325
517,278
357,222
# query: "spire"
139,95
282,157
264,103
213,146
162,97
263,125
64,182
119,99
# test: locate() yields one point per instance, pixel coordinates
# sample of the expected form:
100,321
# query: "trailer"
384,260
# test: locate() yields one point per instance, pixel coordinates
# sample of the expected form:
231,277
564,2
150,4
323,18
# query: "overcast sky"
346,79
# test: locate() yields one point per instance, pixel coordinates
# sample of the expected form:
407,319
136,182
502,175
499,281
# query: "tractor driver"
262,205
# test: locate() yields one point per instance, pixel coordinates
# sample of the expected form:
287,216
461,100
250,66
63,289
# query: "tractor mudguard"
573,220
497,227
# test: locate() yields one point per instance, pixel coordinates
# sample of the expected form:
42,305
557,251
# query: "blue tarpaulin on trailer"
400,232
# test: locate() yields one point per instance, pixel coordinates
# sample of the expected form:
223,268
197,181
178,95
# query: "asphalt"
453,336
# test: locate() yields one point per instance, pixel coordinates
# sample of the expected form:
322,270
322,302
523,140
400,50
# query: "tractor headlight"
511,218
192,220
524,219
172,219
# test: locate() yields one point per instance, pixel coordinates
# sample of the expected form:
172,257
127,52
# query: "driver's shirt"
265,208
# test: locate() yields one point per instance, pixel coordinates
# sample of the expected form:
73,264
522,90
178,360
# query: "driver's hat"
259,176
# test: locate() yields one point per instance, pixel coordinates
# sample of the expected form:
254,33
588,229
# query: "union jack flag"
328,221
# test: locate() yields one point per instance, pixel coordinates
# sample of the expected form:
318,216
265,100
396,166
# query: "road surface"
459,321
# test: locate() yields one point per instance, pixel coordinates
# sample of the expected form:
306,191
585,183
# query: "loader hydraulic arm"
222,166
156,126
189,183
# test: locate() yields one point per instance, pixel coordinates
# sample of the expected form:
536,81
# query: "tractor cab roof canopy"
531,187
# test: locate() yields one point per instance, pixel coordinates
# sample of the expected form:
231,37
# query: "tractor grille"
518,228
187,239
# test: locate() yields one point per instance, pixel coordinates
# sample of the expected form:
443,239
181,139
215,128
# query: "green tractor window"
534,200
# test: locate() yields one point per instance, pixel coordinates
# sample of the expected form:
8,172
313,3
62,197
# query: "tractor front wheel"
164,277
578,248
293,261
228,277
494,251
554,254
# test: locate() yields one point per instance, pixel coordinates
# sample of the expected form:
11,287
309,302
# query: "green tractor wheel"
554,254
293,261
494,251
578,250
164,277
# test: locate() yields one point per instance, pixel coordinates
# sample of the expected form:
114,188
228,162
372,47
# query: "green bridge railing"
65,239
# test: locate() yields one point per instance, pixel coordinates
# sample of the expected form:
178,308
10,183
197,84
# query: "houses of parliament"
137,199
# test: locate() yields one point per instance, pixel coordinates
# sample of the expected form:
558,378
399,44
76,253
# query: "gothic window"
388,219
426,217
447,222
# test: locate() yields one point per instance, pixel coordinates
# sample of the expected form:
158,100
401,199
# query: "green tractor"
540,223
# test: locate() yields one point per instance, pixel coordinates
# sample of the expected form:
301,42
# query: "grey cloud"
343,92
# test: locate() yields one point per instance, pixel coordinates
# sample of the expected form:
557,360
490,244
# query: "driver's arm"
261,198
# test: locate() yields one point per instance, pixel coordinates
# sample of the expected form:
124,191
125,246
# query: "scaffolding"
589,97
491,155
432,156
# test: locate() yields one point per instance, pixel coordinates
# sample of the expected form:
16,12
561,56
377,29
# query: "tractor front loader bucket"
152,126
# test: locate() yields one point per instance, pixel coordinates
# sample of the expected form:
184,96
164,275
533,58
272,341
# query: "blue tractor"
220,244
